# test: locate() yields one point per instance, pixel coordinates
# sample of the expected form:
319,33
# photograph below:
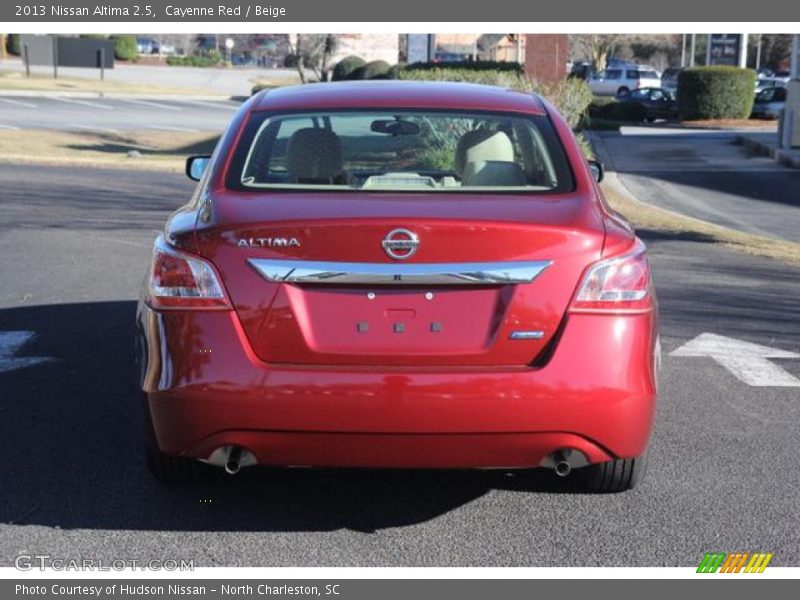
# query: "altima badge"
400,244
268,242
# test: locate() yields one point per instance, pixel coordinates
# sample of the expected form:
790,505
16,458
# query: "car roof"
398,94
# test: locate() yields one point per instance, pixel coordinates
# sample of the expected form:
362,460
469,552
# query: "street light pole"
683,50
758,51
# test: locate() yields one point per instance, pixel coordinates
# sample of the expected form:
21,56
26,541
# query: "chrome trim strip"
493,273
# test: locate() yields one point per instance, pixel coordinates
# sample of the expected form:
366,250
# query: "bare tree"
313,52
597,47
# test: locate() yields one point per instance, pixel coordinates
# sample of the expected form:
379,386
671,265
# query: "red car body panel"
286,375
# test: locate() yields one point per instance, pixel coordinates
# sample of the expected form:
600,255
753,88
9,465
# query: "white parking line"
170,128
150,103
210,104
10,343
84,102
11,127
90,127
17,102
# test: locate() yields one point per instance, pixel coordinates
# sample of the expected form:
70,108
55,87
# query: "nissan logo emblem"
400,244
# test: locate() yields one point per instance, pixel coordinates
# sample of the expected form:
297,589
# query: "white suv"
619,81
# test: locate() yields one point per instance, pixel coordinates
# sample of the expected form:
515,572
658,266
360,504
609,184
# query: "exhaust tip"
234,461
563,468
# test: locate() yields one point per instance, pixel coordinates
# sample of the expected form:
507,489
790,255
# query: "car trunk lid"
487,285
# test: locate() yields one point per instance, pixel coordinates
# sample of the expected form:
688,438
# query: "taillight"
617,284
178,280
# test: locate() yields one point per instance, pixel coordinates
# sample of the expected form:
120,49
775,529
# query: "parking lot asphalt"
703,174
69,113
74,247
227,81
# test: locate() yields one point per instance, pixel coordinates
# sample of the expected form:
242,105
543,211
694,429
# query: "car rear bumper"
206,389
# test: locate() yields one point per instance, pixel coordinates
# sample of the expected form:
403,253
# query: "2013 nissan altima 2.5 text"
399,274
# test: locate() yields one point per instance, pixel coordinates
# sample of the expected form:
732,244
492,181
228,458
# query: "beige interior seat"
314,156
486,158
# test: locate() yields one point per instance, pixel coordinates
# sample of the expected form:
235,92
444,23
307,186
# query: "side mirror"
196,166
596,167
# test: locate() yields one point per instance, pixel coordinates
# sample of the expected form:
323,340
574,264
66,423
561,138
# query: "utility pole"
743,50
758,51
691,51
683,50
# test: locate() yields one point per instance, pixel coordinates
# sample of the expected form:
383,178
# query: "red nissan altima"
399,274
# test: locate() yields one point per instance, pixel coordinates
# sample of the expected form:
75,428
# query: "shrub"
377,69
12,44
211,59
125,47
476,65
499,78
715,93
261,86
346,66
571,96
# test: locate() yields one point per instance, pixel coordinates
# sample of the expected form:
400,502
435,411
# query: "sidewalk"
704,175
766,144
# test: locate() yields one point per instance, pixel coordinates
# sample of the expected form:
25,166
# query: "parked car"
146,45
769,103
659,103
765,72
669,78
620,81
582,69
770,82
399,274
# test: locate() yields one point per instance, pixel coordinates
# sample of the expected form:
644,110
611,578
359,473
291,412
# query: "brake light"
621,283
178,280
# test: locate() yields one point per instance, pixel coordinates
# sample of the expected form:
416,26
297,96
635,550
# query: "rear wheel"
171,470
616,475
623,91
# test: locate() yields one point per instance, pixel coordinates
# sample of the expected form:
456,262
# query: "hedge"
125,47
12,44
377,69
571,96
212,59
503,78
716,93
346,66
475,65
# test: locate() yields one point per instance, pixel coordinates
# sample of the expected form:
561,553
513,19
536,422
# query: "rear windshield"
401,151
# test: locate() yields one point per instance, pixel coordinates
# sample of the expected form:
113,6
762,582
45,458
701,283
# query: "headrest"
482,144
314,154
493,173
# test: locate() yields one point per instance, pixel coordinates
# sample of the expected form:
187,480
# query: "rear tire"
623,91
614,476
166,469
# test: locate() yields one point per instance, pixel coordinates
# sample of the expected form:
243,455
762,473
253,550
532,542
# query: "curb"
112,95
788,158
